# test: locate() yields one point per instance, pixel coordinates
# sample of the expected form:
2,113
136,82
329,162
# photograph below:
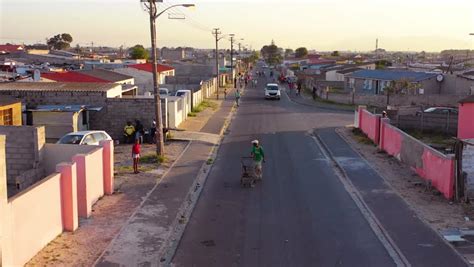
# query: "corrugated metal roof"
392,75
73,77
59,86
107,75
148,67
64,108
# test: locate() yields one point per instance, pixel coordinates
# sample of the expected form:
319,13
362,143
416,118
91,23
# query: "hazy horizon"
321,25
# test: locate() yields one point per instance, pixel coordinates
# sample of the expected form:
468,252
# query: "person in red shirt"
136,155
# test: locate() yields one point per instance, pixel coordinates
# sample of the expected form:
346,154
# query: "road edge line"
378,229
415,210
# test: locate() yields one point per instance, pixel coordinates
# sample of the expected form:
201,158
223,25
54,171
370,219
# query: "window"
6,116
98,137
88,140
383,84
367,84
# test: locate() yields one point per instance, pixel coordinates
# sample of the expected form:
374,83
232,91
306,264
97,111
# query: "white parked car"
272,91
84,138
164,92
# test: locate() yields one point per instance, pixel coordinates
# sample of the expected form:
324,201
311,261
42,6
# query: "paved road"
300,215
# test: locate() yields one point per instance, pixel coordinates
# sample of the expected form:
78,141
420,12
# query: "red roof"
11,48
147,67
74,77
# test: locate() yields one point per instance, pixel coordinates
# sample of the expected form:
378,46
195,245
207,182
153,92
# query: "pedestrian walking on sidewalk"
258,157
237,97
225,93
136,155
314,92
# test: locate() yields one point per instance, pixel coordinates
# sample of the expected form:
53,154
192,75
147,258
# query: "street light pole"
216,33
232,59
152,10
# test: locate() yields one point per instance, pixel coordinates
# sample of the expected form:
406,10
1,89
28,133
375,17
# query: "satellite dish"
36,75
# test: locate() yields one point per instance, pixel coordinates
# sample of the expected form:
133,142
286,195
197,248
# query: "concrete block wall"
117,111
24,152
394,100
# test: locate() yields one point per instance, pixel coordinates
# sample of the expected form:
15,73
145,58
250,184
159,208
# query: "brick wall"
117,111
24,145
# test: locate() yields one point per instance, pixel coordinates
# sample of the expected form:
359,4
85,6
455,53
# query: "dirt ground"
110,213
429,204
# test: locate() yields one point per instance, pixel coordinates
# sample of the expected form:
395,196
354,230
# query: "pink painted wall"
390,139
466,121
69,213
439,170
436,167
90,180
108,157
370,124
35,220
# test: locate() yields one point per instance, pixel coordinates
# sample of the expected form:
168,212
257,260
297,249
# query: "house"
143,75
340,74
374,81
9,49
116,109
70,77
109,76
176,54
59,120
10,111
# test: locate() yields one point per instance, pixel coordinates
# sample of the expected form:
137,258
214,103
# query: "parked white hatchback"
84,138
272,91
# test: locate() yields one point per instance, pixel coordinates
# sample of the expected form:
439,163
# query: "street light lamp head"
188,5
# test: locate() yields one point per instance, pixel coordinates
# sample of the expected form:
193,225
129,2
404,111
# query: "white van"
272,91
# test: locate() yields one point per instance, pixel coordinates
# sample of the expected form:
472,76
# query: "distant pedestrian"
314,92
237,97
129,132
136,155
153,132
299,88
225,93
139,131
235,82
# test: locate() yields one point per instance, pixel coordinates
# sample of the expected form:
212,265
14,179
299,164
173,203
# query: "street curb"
417,212
141,204
170,246
378,229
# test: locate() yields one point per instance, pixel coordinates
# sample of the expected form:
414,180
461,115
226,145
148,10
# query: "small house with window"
60,119
373,82
10,111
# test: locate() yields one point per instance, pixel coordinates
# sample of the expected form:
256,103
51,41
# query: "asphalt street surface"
299,215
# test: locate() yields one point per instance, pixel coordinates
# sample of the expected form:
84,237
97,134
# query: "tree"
402,86
271,53
288,52
139,52
60,41
382,64
335,54
301,52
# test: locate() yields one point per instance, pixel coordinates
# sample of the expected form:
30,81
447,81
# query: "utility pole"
150,6
217,33
232,58
160,145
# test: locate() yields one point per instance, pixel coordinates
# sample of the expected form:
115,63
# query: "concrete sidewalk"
143,240
410,236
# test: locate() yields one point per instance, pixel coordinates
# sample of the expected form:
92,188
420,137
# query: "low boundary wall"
35,216
427,162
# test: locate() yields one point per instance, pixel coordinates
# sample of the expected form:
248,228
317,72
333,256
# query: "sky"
322,25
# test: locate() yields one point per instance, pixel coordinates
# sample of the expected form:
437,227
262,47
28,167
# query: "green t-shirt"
237,94
257,153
